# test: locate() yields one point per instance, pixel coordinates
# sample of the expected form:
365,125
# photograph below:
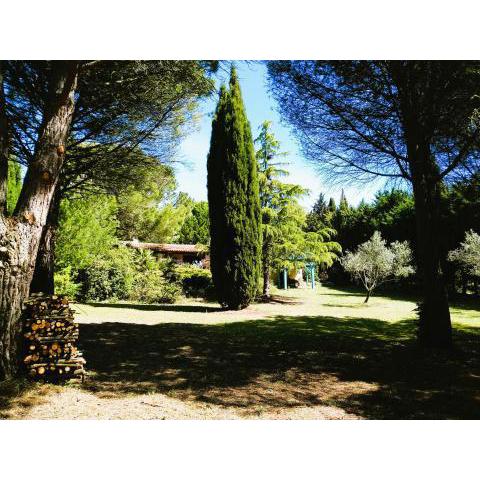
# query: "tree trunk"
367,297
266,268
435,328
43,277
20,235
266,281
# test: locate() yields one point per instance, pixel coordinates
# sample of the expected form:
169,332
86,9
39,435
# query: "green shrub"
64,283
151,286
195,282
153,281
108,277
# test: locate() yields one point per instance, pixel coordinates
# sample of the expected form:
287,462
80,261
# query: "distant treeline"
392,213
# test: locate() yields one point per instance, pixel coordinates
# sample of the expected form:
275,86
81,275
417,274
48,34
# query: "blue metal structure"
310,270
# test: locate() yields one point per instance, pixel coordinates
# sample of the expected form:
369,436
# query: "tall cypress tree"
234,203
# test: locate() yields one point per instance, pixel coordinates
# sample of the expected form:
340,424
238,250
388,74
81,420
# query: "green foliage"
461,213
375,263
234,206
110,276
287,238
153,282
89,263
87,231
149,210
320,216
195,282
392,214
196,227
150,286
468,254
296,247
65,284
332,206
127,274
14,185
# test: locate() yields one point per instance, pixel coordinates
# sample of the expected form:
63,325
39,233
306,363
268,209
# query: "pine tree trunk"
43,277
20,235
435,327
17,247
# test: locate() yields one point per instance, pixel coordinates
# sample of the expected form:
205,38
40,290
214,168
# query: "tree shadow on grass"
345,305
367,367
343,293
280,299
466,303
159,307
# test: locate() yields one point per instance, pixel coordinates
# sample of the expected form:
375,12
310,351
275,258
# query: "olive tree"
375,262
468,254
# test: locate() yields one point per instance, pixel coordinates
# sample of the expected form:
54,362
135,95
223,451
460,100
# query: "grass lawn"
314,354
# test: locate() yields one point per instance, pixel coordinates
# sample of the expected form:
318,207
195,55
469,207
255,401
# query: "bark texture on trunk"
20,235
435,328
266,255
43,277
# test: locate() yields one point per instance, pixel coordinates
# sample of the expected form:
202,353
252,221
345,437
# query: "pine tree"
320,206
320,216
332,206
234,204
343,200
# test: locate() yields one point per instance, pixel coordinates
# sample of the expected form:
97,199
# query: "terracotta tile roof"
164,247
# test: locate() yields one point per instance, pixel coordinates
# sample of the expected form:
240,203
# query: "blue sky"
192,172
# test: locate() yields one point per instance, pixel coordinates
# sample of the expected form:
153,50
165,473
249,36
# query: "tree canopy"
196,227
350,116
151,210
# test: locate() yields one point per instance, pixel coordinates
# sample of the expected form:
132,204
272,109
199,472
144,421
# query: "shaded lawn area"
365,366
347,355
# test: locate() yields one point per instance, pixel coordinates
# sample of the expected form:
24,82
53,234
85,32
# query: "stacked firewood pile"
50,336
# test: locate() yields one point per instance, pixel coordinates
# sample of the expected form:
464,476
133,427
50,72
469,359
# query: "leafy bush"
150,286
152,283
127,274
64,283
195,282
108,277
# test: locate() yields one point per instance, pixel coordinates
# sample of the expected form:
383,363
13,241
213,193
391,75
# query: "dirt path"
75,404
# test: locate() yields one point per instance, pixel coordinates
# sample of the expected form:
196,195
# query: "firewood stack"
50,335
